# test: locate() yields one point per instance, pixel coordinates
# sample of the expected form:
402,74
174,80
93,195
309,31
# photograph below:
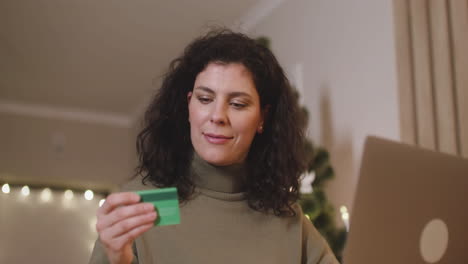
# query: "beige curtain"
432,61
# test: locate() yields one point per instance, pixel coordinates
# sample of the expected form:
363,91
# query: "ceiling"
98,56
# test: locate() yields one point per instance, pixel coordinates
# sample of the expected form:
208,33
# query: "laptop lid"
411,206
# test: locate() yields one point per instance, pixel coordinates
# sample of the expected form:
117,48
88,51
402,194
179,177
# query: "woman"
224,129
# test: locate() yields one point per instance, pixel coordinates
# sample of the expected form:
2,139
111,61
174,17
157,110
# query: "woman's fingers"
116,200
122,213
128,224
120,220
124,232
118,243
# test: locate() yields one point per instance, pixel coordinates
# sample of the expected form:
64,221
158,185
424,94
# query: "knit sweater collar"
224,180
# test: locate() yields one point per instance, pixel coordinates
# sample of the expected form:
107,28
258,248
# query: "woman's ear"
264,113
189,96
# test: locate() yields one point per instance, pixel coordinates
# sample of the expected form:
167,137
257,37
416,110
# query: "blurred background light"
46,195
343,209
345,216
6,188
89,195
25,190
68,194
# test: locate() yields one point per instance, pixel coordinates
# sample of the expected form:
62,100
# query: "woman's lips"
216,139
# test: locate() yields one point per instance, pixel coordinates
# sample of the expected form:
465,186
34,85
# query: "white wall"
93,155
64,152
341,56
54,231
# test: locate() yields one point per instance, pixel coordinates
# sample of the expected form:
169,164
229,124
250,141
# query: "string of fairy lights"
46,192
71,193
60,198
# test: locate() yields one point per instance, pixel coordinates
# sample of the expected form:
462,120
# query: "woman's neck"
226,179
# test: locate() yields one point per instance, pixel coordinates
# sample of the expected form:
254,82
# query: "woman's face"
224,113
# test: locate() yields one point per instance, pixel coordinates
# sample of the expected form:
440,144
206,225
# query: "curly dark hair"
275,160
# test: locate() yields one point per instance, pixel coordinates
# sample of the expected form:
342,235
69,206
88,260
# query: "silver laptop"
411,206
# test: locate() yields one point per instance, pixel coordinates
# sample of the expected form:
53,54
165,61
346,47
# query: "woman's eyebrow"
204,88
230,95
239,94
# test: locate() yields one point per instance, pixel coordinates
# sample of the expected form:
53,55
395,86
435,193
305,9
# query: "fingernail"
149,206
153,214
136,197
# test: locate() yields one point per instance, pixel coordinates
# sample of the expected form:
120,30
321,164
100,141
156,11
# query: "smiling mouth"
216,139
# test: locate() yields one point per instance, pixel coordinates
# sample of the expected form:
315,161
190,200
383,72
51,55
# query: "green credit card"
166,204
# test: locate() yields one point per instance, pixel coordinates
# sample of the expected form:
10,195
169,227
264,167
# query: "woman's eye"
204,100
238,105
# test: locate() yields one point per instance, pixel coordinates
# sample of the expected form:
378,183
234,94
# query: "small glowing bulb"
89,195
6,188
101,202
343,209
68,194
345,216
25,190
46,195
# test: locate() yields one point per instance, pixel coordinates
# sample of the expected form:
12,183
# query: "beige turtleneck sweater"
217,226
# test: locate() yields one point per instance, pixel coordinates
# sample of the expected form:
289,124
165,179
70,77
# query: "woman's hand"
120,220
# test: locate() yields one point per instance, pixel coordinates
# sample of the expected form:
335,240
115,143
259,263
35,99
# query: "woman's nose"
219,115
